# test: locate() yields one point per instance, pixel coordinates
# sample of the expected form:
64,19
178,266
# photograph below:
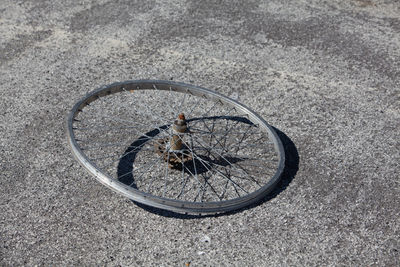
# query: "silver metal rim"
166,203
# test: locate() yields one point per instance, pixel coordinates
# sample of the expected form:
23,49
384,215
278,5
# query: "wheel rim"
229,157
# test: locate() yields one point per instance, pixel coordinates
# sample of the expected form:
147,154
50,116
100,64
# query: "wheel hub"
172,149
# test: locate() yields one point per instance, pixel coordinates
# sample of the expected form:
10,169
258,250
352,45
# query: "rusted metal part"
172,149
175,159
179,128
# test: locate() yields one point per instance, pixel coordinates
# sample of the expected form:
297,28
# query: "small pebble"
205,239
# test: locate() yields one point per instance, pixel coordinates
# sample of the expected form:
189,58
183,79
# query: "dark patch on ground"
118,13
315,34
393,23
22,42
365,3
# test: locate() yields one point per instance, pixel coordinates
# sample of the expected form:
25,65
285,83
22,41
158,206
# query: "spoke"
183,184
203,116
253,171
232,166
219,154
212,187
182,103
183,174
225,188
117,155
219,172
241,158
160,129
134,150
184,167
103,128
148,112
210,109
194,107
183,141
122,175
154,162
166,175
105,145
172,105
211,138
242,139
247,176
191,151
124,121
153,178
205,179
212,149
200,131
216,170
182,188
241,169
212,134
201,161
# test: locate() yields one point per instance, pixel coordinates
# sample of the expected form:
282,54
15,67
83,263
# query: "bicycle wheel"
175,146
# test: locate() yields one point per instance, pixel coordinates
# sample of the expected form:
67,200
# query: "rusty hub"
171,149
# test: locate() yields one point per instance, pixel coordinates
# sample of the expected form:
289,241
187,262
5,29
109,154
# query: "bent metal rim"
174,205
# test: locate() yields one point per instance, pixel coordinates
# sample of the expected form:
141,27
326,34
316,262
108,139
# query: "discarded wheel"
175,146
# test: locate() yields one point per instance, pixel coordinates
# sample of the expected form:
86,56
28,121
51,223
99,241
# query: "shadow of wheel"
126,162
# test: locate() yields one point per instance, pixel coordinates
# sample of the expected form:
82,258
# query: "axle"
178,128
172,148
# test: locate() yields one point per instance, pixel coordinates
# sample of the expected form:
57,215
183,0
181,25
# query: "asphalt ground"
325,74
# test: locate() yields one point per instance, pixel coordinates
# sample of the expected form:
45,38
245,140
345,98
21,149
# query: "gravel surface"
326,74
